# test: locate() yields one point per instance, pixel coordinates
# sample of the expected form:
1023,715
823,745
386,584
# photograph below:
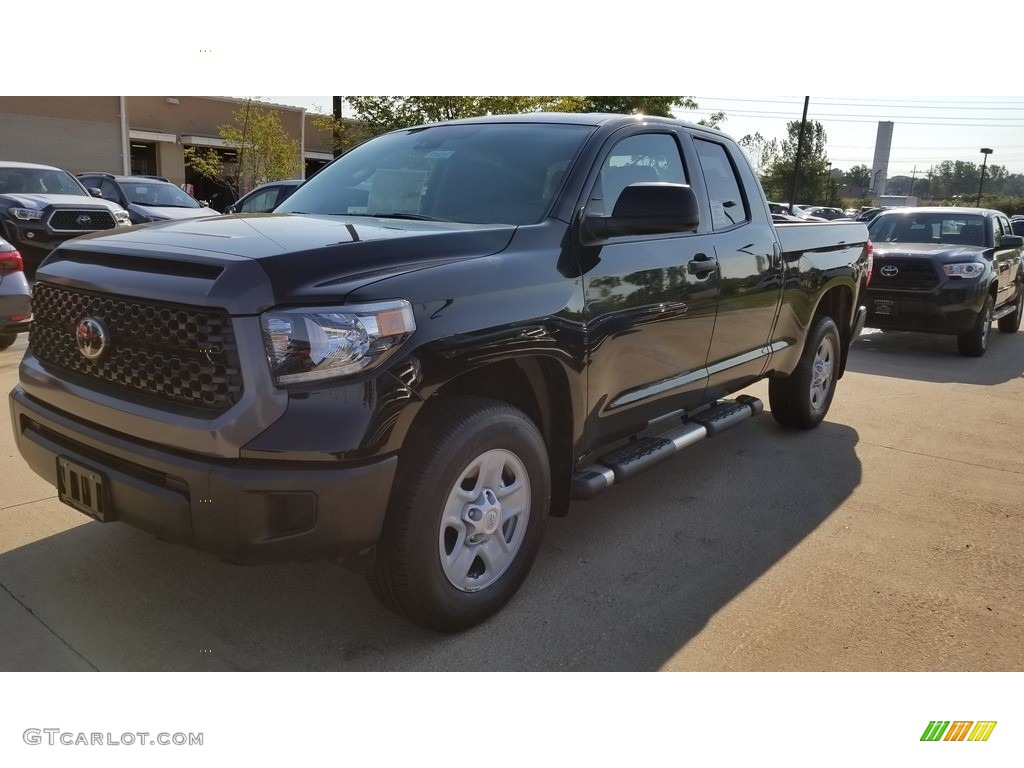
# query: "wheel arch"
837,303
540,388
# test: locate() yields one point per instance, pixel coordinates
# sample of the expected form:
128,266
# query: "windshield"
157,194
39,181
951,228
478,174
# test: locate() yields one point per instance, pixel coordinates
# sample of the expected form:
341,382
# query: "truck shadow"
623,583
934,358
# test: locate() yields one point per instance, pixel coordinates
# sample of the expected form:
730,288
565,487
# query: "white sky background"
927,129
951,80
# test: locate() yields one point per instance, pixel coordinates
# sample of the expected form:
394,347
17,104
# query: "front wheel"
1011,323
803,398
975,341
466,516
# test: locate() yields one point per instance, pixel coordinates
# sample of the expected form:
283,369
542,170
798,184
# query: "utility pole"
799,152
913,178
337,126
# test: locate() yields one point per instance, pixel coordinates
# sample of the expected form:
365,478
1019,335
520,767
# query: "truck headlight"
26,214
311,344
122,218
970,269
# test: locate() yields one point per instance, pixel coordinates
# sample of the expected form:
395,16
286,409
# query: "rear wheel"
466,516
975,341
803,398
6,339
1011,322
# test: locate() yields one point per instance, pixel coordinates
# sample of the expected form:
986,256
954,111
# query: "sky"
926,130
951,84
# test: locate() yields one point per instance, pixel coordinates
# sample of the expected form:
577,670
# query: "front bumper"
244,510
950,308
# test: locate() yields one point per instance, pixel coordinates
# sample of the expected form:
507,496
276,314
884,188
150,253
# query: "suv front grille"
172,354
911,275
81,221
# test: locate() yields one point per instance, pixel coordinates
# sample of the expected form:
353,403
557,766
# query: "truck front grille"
911,275
171,354
66,220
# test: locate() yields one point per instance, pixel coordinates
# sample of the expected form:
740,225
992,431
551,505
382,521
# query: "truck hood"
305,256
38,202
170,212
940,252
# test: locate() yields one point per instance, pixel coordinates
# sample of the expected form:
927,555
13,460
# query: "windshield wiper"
395,215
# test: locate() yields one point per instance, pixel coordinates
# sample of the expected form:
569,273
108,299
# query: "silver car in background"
15,295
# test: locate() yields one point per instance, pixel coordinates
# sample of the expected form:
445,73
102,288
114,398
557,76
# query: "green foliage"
659,106
380,114
777,176
264,151
859,176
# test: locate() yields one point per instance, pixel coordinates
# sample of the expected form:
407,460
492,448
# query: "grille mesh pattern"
67,221
176,354
913,275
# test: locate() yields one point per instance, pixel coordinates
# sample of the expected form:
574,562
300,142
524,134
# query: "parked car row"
15,295
42,206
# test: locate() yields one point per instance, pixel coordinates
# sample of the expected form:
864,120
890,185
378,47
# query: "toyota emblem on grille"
91,338
889,271
83,220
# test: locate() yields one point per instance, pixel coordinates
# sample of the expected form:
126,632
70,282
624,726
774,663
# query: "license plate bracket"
83,488
886,307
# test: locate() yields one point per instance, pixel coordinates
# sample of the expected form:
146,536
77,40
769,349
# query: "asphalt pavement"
890,538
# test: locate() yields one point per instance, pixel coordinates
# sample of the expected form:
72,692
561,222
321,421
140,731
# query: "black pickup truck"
946,270
439,340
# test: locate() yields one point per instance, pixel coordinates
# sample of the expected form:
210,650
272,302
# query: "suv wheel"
467,512
6,340
975,341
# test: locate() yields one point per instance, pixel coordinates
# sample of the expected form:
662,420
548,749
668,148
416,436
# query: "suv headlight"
311,344
970,269
26,214
122,218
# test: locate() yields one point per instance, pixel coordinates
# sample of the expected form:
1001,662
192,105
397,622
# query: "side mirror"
95,192
1012,241
646,208
230,208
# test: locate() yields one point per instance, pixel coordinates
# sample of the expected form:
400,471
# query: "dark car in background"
265,197
147,198
946,270
42,206
15,295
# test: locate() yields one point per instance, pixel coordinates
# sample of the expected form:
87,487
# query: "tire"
6,339
802,399
975,341
1011,323
466,515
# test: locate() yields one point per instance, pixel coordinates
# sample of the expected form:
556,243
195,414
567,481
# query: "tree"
777,179
659,106
264,151
859,176
762,152
379,114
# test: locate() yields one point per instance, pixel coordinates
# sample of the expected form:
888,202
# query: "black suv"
147,198
946,270
42,207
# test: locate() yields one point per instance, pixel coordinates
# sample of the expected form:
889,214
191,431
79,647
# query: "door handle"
701,265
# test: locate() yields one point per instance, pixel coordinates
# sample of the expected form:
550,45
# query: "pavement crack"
941,458
26,503
49,629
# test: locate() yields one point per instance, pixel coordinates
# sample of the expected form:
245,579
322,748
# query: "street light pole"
985,151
